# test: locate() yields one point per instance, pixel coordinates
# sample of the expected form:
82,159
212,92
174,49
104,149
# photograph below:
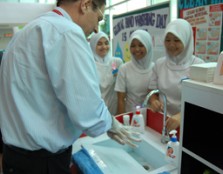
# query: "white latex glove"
123,134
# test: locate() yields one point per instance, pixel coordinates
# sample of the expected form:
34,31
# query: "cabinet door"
202,133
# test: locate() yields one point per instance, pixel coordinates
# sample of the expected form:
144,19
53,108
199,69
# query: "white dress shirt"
49,86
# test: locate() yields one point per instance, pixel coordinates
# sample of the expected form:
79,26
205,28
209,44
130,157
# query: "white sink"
146,155
115,158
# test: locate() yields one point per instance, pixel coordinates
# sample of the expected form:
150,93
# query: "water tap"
165,137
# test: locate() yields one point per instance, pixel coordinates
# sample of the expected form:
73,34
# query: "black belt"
37,153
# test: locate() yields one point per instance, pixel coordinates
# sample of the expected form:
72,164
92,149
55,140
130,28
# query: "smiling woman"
107,67
133,78
169,70
173,44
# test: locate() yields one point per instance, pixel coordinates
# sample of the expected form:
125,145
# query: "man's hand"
123,134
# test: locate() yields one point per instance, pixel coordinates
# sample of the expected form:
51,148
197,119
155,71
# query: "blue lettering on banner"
146,19
118,27
185,4
216,1
161,21
124,36
129,22
198,3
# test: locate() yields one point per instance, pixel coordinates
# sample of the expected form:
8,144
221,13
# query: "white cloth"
104,68
168,73
49,86
133,78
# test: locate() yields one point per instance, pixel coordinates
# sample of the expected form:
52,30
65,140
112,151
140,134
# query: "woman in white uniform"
169,71
133,78
107,67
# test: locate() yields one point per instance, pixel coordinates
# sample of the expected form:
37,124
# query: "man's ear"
85,5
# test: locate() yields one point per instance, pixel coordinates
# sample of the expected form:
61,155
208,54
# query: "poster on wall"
152,19
206,21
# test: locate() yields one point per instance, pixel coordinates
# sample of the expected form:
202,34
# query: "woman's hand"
173,122
156,105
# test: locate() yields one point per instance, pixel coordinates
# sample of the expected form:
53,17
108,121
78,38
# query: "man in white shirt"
50,91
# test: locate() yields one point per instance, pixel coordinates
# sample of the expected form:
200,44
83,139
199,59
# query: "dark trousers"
21,161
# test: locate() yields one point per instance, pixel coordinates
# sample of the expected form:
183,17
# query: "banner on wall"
186,4
206,20
152,19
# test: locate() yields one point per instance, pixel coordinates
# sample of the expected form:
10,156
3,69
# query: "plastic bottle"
137,123
172,149
126,120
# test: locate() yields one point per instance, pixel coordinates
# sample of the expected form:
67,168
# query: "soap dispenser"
172,149
137,123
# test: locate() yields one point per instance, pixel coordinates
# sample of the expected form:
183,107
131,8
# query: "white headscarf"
145,38
93,43
183,30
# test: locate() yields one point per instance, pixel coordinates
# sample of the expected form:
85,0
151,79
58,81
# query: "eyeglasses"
101,19
102,15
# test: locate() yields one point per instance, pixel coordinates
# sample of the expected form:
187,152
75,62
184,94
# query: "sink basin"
146,155
111,157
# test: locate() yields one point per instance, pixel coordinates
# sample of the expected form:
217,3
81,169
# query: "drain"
146,167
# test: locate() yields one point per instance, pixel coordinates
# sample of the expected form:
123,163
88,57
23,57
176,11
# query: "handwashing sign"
205,18
153,19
